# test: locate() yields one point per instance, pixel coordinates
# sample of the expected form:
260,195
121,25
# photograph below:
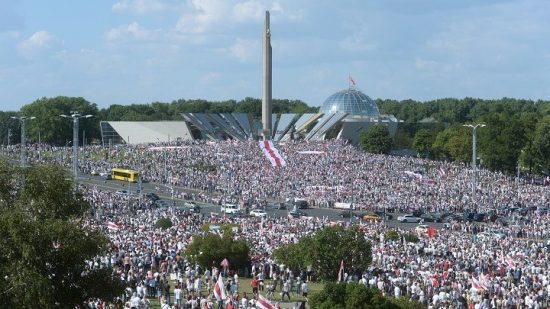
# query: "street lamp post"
474,154
23,121
75,116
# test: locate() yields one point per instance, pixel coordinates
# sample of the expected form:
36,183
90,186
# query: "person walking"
286,291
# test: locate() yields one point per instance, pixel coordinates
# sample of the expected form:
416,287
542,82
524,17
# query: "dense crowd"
465,265
322,173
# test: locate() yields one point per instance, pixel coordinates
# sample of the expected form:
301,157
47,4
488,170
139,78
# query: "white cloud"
251,9
131,31
38,41
356,42
204,14
245,50
211,77
141,7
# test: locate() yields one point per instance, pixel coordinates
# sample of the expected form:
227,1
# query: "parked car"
153,196
94,173
347,214
230,208
428,217
409,219
122,192
192,207
452,217
296,213
278,206
257,213
105,175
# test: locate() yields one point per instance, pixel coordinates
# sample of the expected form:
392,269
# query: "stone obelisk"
266,80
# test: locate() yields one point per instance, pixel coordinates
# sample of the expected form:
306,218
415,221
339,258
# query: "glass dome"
351,101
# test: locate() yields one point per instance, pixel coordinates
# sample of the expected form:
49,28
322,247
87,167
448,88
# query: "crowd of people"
466,265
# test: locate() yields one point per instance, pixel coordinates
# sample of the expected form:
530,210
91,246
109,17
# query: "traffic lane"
331,214
208,208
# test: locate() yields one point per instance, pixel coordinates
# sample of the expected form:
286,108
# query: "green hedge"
163,223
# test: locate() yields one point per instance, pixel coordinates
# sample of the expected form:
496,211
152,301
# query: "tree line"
48,127
516,133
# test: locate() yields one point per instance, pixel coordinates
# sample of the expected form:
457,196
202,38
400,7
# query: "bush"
392,235
356,296
163,223
409,237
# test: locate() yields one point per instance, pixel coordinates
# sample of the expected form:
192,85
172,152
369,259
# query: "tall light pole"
474,154
23,121
75,116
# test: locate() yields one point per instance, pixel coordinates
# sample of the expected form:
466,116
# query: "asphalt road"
164,193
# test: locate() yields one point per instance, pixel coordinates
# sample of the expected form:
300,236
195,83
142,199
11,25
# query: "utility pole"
75,116
23,121
474,155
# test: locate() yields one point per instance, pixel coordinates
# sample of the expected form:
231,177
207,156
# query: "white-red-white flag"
264,303
341,272
219,289
271,153
476,284
113,226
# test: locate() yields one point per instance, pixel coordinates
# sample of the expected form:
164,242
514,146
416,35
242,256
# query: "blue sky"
141,51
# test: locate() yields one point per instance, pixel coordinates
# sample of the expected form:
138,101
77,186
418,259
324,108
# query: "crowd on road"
323,173
463,266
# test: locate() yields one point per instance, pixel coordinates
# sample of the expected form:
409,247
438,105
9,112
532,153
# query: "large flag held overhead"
264,303
113,226
219,289
272,154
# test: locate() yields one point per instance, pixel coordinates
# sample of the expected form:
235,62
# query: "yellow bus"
124,175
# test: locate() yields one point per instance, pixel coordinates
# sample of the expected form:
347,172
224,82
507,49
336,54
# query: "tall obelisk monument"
266,80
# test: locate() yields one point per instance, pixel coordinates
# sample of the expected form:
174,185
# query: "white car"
230,208
258,213
122,192
409,219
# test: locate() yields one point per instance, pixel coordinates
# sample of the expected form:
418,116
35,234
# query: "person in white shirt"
244,301
177,295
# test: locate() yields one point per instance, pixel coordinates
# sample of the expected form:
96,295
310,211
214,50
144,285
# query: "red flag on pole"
351,79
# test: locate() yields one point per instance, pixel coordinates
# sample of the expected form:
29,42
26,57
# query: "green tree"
501,141
454,142
541,146
423,140
11,125
57,130
376,139
356,296
210,249
326,249
45,247
163,223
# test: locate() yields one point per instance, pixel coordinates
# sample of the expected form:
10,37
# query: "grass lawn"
244,286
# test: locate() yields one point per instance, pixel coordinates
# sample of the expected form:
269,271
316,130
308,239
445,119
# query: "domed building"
352,102
345,114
